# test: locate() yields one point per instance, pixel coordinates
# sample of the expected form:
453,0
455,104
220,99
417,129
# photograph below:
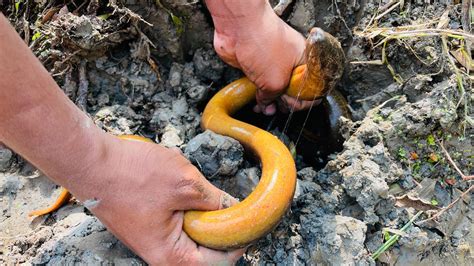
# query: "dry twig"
463,176
443,210
387,11
83,90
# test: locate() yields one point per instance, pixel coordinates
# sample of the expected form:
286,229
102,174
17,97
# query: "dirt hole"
315,132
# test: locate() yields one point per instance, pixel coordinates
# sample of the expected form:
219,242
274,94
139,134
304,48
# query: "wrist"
231,16
79,172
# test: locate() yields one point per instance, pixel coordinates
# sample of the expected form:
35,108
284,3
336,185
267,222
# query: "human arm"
140,189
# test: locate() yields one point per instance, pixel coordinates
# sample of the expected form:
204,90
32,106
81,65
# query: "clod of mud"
302,16
76,238
341,240
89,35
6,156
214,155
178,27
117,119
245,182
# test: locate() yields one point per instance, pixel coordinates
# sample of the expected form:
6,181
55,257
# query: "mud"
153,80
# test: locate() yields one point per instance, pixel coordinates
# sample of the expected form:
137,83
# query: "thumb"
197,193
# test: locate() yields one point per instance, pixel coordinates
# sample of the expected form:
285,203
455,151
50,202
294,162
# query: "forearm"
37,120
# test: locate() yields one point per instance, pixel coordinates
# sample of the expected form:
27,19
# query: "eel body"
255,216
260,212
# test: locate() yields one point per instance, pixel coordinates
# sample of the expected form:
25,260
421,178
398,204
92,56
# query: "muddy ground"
148,68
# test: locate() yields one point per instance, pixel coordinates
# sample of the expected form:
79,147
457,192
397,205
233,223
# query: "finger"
267,96
257,109
269,109
297,105
218,257
225,48
265,109
192,253
194,192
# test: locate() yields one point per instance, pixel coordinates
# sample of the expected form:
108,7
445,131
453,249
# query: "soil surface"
148,68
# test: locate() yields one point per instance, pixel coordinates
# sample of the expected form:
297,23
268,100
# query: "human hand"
250,36
140,192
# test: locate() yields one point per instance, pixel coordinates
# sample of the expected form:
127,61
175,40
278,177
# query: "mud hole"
140,68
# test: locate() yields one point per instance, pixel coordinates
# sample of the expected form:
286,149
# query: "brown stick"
449,206
463,176
466,15
83,90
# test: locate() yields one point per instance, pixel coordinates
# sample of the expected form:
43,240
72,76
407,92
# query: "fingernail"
257,109
227,200
269,110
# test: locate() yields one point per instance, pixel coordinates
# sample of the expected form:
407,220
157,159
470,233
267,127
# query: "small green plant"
416,168
36,36
431,140
402,153
378,118
17,6
393,238
177,21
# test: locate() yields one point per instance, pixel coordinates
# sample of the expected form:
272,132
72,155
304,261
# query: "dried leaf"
463,58
443,20
413,155
48,15
433,157
450,181
407,201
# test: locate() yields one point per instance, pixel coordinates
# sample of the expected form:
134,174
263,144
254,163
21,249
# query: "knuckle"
188,184
274,85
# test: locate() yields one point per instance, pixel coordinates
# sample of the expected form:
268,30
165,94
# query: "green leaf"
178,23
104,16
434,202
386,236
431,140
36,36
17,5
402,153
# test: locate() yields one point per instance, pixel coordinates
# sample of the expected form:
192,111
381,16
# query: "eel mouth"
323,66
316,35
325,62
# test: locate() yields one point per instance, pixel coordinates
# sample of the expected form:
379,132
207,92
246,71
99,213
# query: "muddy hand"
142,195
250,36
138,190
